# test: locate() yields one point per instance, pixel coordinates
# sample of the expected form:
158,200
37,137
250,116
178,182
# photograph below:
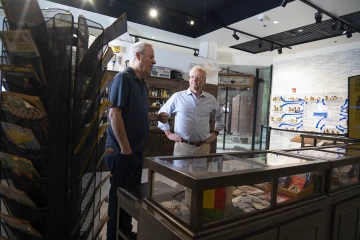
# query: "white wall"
323,70
173,60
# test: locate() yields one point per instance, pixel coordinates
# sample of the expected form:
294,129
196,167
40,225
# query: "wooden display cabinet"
160,90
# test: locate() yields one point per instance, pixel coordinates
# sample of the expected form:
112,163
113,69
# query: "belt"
196,144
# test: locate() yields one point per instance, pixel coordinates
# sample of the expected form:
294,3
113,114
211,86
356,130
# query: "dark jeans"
125,170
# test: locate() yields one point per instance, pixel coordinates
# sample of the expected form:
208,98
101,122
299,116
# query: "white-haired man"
128,132
192,108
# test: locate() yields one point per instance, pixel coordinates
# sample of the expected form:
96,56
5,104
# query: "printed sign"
354,107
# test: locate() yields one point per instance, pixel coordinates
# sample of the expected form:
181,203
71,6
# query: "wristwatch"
216,132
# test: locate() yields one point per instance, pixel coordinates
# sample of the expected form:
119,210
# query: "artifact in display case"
344,162
200,190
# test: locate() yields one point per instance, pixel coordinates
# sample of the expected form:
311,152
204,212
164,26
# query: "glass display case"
205,191
344,163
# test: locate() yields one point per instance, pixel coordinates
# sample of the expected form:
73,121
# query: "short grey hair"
137,47
197,67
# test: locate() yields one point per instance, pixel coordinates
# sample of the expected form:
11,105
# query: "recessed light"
153,13
153,37
275,22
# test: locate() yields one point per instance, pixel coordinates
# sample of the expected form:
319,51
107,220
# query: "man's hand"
174,137
211,138
163,117
126,151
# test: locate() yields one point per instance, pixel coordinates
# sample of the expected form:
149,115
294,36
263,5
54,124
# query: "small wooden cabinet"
160,90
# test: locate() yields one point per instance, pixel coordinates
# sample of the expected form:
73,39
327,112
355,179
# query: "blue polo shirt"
128,92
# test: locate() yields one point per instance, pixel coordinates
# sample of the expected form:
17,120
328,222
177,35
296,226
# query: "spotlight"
280,50
136,39
349,33
260,44
236,36
196,53
153,13
271,47
190,22
284,2
333,25
318,17
342,29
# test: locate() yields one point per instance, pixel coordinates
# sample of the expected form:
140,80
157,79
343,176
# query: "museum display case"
203,192
344,160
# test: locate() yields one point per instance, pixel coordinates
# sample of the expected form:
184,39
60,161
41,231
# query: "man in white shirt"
193,108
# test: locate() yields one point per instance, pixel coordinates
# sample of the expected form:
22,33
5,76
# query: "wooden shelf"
158,97
154,107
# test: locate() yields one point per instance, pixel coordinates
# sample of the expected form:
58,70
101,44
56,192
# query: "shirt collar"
131,72
189,92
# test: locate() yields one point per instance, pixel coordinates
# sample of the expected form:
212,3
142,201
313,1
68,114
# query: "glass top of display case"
216,164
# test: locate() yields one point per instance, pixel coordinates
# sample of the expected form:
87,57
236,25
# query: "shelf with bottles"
160,93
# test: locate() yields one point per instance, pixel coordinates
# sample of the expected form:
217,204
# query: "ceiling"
209,15
170,24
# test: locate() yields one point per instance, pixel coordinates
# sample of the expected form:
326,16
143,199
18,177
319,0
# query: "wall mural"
318,112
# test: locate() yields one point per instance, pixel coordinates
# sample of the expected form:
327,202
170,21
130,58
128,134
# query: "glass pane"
238,105
318,154
172,196
262,118
345,175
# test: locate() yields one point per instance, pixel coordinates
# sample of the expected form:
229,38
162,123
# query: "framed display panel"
202,192
344,161
354,107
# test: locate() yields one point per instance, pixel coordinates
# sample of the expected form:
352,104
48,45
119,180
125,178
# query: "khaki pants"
181,148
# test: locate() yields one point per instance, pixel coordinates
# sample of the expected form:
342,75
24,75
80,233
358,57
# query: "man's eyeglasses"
197,77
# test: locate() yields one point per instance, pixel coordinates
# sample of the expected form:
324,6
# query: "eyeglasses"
197,77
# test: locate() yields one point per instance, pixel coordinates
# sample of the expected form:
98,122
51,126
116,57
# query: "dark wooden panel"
348,225
346,220
311,227
308,234
269,235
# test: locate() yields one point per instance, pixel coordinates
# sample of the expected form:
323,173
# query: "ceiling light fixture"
190,21
284,2
271,47
260,43
137,39
280,50
333,25
153,12
318,17
342,29
236,36
196,53
275,22
349,33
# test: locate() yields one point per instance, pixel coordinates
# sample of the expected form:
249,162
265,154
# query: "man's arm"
118,127
161,117
168,109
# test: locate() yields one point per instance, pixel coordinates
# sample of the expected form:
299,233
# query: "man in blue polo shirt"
128,132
